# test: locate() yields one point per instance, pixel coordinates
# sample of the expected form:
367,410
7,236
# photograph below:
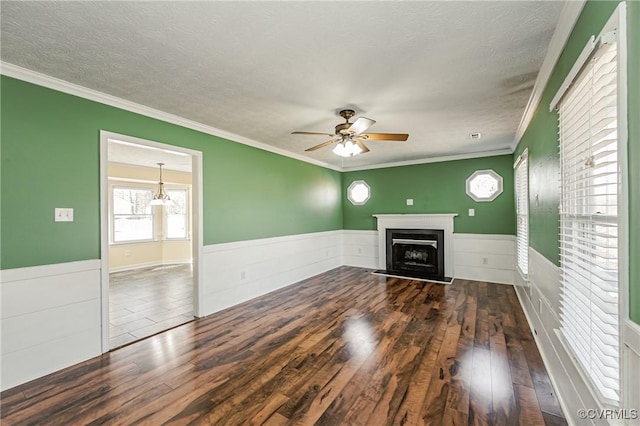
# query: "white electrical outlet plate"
63,214
409,201
472,212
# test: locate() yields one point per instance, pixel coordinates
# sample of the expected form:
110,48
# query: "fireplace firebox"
416,253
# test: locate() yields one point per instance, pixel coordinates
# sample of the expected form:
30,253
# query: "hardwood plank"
480,395
344,347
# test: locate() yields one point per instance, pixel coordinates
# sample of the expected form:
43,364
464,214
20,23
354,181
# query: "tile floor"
146,301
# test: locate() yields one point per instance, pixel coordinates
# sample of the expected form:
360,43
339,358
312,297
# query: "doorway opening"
150,247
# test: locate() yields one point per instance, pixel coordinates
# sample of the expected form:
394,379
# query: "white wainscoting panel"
546,278
543,317
360,248
631,364
50,319
236,272
484,257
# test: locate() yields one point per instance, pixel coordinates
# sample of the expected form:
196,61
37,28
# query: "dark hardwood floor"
342,348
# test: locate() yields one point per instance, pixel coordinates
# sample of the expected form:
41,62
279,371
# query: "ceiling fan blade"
360,125
400,137
362,146
312,133
323,144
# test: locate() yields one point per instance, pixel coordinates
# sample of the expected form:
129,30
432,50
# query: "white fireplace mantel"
442,221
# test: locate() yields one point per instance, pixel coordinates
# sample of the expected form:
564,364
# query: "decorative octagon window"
484,185
358,192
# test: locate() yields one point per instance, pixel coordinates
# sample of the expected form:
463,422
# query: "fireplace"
416,252
423,247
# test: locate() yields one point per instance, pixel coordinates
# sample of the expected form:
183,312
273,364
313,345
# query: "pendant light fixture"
160,198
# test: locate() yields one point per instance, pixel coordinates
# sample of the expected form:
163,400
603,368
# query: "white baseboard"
50,319
236,272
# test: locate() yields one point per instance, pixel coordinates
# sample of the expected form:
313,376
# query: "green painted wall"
50,158
541,138
435,188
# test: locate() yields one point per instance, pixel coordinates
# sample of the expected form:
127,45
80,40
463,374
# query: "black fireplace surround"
416,252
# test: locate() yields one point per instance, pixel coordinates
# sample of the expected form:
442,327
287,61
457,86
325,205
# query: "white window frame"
351,187
478,173
112,216
521,188
187,214
617,24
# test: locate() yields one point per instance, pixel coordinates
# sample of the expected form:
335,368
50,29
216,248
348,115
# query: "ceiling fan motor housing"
343,128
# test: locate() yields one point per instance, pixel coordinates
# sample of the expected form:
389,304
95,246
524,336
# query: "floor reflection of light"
359,336
481,380
164,349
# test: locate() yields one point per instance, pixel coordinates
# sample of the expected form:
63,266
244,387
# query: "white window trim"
618,22
112,241
187,214
158,235
493,174
353,185
522,158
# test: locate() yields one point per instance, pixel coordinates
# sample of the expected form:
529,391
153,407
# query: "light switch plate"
63,214
409,201
472,212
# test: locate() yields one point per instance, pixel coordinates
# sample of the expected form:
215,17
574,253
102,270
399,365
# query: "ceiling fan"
349,137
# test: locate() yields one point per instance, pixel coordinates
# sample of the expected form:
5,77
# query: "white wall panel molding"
484,257
239,271
360,248
544,277
631,364
32,272
51,319
573,393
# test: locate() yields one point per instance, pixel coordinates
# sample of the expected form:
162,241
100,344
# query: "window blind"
522,212
590,180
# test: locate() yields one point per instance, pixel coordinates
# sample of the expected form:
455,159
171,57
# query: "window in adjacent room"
176,219
589,217
132,215
358,192
522,212
484,185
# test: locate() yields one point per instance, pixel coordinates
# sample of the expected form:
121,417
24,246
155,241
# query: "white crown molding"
432,160
63,86
568,17
44,80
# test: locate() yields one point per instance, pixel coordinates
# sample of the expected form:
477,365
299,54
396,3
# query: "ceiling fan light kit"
347,149
349,137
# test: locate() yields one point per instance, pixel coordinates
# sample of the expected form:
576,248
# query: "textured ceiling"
435,70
